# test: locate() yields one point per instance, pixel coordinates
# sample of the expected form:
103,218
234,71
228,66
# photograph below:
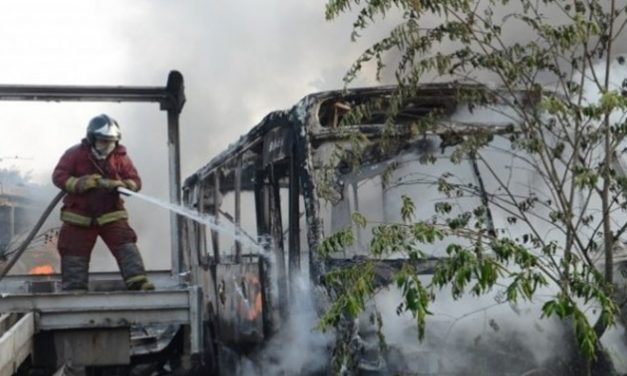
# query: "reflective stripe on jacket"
81,220
96,206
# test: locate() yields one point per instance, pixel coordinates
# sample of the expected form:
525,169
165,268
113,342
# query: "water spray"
210,221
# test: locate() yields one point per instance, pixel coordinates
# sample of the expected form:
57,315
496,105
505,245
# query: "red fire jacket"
96,206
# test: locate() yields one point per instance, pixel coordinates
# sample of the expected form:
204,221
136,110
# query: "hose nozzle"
124,191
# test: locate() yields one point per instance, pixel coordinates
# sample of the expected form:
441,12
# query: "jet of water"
224,227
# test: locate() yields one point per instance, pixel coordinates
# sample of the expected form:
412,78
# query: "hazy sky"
240,58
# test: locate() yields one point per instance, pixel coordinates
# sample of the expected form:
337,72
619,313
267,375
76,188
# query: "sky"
240,59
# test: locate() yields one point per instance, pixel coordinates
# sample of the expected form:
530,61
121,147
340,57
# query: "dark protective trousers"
77,240
76,243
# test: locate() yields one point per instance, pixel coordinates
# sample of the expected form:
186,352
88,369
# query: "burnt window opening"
230,195
226,193
375,190
356,110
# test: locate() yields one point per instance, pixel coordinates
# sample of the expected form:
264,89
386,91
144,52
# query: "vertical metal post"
238,206
265,276
174,159
276,228
294,223
262,204
201,234
175,89
196,320
215,240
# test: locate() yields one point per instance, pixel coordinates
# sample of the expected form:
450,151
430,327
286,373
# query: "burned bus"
285,184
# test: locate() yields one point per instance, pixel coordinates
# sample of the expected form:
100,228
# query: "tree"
562,89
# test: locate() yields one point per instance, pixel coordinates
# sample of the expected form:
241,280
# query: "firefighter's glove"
84,183
130,185
110,184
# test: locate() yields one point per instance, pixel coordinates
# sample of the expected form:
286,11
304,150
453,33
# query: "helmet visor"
110,132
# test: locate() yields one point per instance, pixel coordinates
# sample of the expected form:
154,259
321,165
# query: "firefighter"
90,174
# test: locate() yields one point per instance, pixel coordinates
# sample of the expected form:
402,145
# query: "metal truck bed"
94,328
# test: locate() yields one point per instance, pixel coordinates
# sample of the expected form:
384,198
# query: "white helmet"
103,127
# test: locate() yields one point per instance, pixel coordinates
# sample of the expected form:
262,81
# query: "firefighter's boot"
74,273
132,268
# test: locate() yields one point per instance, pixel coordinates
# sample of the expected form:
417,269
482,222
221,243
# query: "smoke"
298,348
240,61
486,334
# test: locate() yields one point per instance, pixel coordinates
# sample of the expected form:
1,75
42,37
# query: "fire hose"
18,251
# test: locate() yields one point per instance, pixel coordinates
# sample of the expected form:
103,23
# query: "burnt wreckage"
225,297
283,184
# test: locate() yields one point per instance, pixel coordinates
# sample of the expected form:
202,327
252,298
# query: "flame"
254,311
42,269
257,307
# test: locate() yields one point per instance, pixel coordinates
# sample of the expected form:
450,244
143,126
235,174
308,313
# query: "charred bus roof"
321,115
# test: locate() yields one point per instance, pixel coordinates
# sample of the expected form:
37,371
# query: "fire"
254,311
256,306
42,269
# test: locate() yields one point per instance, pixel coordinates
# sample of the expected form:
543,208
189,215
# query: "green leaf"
359,219
407,209
336,242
